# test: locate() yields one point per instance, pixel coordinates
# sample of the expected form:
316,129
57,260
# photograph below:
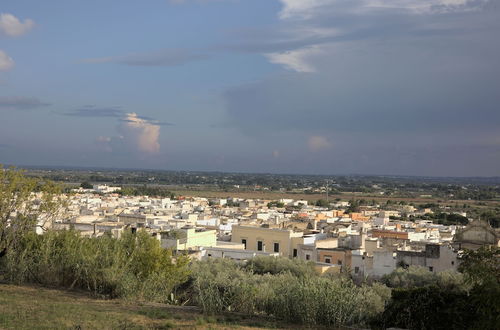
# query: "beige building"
475,235
435,257
188,239
261,239
130,219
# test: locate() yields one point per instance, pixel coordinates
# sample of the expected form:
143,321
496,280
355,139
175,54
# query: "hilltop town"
367,241
278,164
286,257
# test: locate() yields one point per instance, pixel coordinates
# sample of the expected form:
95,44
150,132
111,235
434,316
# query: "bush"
429,307
132,266
270,265
332,301
447,300
86,185
222,285
415,276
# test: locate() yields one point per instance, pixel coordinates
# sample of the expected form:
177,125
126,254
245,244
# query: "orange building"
338,213
320,216
358,216
335,256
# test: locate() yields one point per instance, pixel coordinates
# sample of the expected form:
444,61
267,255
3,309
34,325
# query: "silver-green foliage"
308,298
265,265
25,203
415,276
132,266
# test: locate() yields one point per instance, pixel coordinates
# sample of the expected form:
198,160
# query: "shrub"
415,276
132,266
270,265
429,307
222,285
447,300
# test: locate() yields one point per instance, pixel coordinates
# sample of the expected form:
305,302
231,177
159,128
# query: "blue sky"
408,87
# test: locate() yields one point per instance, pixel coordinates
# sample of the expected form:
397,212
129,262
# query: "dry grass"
24,307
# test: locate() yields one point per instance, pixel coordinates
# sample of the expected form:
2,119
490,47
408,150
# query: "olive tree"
25,203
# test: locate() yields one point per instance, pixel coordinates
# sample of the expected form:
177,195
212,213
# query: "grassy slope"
39,308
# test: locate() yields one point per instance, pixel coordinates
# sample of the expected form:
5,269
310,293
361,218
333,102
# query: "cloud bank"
306,9
22,103
91,111
385,80
166,57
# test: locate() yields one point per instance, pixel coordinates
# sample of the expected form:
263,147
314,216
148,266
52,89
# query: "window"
244,242
259,246
276,247
308,257
294,253
431,268
453,263
339,262
328,260
356,269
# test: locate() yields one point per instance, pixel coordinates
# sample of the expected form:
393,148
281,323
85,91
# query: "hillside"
24,307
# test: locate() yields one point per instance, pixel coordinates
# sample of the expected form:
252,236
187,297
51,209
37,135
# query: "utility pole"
327,191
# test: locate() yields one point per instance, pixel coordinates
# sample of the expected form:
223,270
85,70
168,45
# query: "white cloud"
6,63
304,9
11,26
317,143
418,6
296,60
140,133
316,20
301,8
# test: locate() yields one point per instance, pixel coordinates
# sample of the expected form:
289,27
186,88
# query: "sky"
392,87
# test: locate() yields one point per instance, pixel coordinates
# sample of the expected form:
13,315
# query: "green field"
274,195
23,307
